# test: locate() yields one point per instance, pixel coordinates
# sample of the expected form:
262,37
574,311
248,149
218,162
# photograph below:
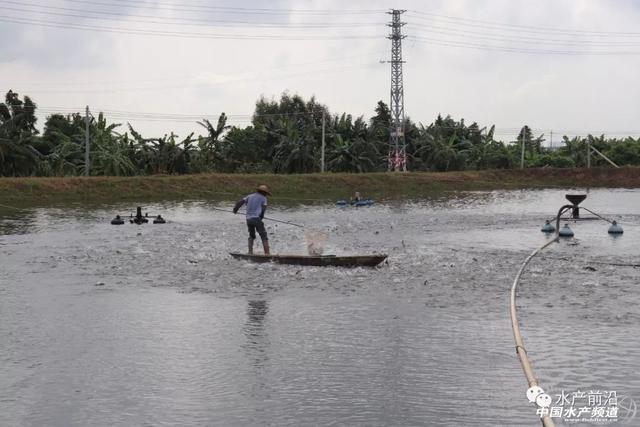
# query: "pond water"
156,325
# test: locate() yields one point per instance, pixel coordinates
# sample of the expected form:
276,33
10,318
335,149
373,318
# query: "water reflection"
291,346
254,330
17,222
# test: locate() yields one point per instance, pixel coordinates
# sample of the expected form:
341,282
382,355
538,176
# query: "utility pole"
551,144
322,154
87,165
397,146
588,153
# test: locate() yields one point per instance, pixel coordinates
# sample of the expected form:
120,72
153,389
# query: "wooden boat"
319,261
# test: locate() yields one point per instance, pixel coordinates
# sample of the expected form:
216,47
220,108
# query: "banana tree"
17,136
352,156
111,153
449,154
209,146
295,151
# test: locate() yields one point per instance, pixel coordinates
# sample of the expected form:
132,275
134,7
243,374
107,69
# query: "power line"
520,28
152,19
451,43
158,115
493,25
513,38
179,34
231,10
306,73
453,32
201,79
199,116
137,116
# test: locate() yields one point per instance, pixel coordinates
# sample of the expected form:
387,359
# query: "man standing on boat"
256,207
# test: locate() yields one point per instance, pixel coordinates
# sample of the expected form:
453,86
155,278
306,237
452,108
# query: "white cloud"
70,68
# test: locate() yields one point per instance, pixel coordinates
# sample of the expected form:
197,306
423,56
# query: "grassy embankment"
47,191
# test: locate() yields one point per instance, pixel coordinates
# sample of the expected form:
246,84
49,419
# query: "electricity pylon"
397,145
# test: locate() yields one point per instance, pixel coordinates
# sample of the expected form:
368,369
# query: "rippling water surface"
156,325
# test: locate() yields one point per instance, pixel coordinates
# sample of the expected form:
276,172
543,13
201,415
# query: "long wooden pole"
266,217
603,156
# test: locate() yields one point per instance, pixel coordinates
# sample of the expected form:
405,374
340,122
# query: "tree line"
284,137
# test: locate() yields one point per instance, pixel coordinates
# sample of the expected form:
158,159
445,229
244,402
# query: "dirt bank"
45,191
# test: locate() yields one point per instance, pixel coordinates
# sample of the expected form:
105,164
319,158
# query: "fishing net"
315,242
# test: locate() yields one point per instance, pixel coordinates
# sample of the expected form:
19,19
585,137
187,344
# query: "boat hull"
317,261
359,203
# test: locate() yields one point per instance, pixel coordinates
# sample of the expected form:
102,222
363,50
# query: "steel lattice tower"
397,146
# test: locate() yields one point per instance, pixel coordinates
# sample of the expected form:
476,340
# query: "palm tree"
420,149
449,154
576,149
210,150
294,153
17,159
112,158
351,156
110,150
488,153
17,136
65,158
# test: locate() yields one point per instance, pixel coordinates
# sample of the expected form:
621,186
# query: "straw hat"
264,189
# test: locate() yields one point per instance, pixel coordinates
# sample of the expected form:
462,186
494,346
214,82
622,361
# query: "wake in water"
315,242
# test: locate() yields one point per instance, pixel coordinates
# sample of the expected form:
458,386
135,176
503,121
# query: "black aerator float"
117,220
138,218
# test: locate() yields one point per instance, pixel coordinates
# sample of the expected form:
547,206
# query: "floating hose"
520,349
517,336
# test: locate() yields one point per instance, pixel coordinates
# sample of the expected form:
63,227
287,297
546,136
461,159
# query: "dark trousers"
254,224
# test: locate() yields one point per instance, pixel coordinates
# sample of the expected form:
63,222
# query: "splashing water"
315,242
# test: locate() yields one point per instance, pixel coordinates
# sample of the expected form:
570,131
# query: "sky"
564,66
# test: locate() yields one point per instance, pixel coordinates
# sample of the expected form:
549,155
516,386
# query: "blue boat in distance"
359,203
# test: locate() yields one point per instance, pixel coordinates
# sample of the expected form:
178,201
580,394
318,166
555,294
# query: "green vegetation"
283,138
295,188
